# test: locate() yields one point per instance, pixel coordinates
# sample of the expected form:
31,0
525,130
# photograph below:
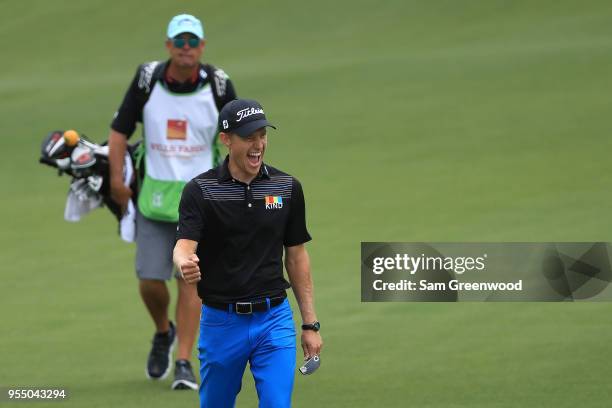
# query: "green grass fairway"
404,120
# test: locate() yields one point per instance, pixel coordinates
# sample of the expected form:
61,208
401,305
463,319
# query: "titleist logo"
245,113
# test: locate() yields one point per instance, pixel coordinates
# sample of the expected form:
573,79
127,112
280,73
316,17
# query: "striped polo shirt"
241,230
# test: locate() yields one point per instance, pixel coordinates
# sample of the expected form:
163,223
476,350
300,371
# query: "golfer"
234,222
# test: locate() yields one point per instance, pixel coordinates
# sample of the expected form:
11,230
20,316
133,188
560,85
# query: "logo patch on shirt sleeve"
177,129
273,202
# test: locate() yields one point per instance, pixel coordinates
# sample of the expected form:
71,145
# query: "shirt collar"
224,173
170,80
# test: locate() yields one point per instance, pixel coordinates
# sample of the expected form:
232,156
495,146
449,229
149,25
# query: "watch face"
317,326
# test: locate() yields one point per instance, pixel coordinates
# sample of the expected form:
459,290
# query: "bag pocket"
159,200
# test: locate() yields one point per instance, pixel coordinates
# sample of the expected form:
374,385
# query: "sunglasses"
191,42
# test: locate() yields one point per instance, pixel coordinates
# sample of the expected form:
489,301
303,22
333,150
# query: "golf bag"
87,163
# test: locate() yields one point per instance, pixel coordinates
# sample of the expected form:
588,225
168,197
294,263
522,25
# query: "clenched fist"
189,269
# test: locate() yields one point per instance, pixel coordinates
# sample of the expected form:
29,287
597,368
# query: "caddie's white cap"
185,23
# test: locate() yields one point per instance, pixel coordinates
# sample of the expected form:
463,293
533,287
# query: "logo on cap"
185,21
245,113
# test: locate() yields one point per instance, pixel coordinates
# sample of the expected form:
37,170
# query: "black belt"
247,307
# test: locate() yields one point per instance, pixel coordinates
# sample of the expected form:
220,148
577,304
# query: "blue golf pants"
266,340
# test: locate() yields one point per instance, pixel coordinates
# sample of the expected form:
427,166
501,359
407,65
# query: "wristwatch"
316,326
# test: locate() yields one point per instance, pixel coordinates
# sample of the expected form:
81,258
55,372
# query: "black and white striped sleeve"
191,213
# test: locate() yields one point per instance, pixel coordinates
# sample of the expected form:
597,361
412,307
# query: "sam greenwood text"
424,285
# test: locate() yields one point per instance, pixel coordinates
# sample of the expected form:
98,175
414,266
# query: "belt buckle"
238,304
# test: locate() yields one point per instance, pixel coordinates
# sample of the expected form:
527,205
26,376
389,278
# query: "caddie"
178,103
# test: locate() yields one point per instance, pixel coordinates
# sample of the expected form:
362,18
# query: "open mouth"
254,158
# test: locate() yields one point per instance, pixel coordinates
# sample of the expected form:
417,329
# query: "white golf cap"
185,23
